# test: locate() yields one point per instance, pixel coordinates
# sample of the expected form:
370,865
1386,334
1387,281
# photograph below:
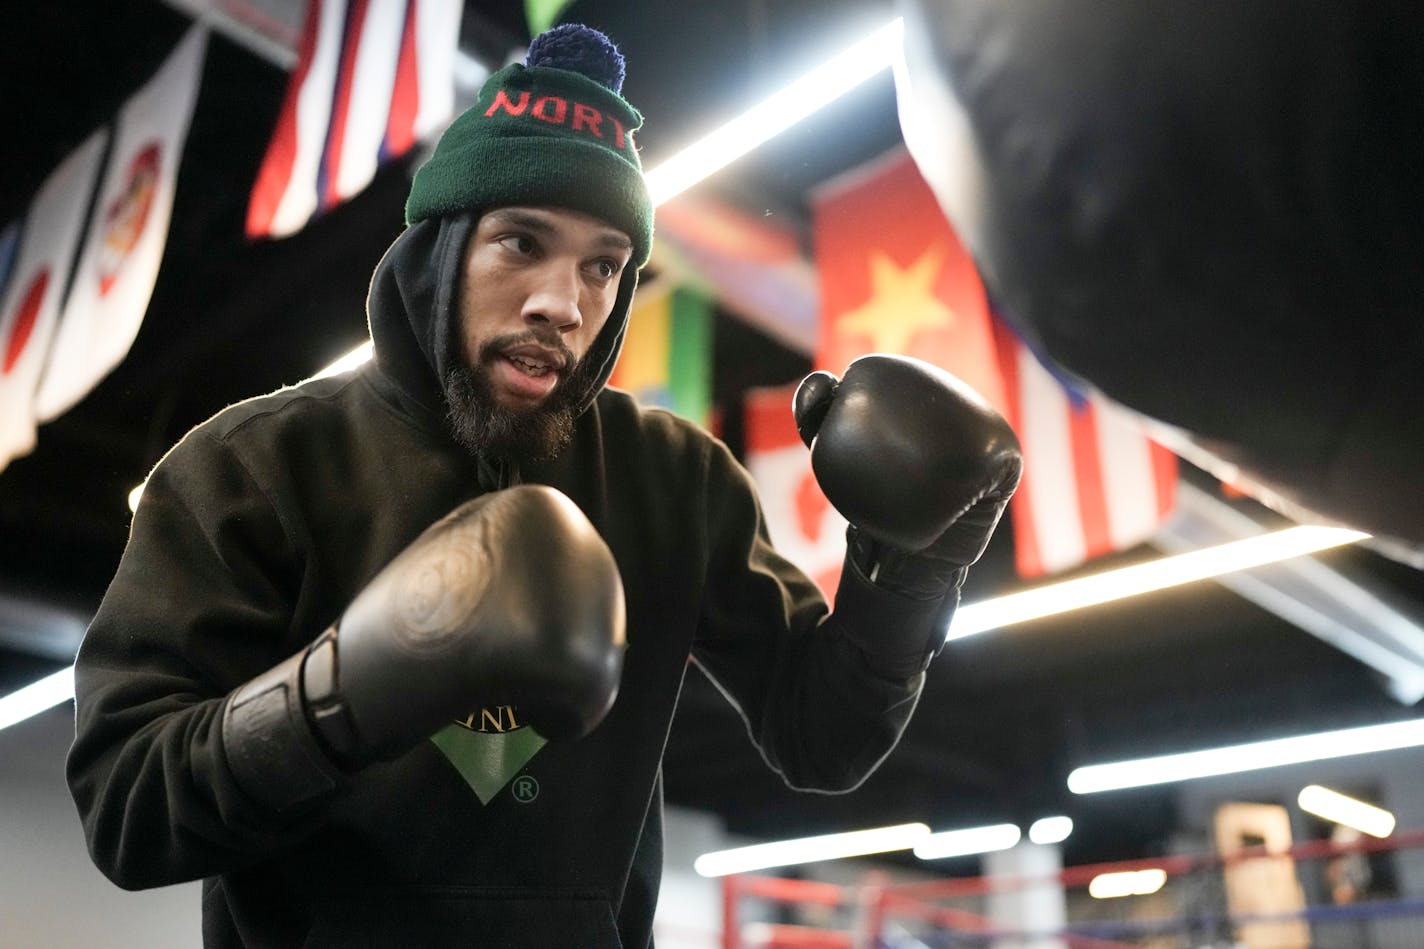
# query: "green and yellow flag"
667,352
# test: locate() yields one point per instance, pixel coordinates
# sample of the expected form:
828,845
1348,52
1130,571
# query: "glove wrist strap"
897,634
273,753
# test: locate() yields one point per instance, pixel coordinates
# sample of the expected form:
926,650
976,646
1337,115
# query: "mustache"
494,347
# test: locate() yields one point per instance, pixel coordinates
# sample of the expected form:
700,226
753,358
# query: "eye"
521,244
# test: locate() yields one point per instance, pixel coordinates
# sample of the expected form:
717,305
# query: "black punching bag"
1212,212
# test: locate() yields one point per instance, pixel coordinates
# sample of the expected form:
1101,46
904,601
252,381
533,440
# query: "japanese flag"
30,305
128,229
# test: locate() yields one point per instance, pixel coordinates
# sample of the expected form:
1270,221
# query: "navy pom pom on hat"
552,132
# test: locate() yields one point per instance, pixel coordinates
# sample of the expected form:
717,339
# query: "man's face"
538,286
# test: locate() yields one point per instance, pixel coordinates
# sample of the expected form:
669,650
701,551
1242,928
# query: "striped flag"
30,304
372,78
128,228
667,353
1093,481
804,527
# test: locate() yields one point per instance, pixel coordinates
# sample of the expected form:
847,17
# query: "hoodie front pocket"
438,917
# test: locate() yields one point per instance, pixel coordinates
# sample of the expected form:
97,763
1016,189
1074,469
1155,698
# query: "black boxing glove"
462,618
922,468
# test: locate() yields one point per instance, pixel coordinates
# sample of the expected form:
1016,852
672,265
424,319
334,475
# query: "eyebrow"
531,221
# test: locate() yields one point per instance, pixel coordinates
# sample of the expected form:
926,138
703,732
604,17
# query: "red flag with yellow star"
896,279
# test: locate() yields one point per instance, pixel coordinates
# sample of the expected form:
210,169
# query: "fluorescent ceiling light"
1343,809
962,843
785,853
351,360
1050,830
37,697
817,88
1106,886
1252,756
1146,577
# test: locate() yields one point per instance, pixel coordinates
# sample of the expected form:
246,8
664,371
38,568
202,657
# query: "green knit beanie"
553,132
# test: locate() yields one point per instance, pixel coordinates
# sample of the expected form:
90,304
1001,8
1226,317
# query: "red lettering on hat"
617,131
513,108
561,108
586,116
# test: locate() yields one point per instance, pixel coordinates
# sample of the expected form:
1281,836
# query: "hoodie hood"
414,313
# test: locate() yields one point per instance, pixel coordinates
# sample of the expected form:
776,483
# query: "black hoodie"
258,528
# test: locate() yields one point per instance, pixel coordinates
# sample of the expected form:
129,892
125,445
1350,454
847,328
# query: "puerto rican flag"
372,78
1093,482
34,287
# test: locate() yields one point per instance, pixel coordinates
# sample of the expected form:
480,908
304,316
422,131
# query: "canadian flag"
804,528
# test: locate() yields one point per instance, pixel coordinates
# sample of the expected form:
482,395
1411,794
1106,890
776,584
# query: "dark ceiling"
1005,715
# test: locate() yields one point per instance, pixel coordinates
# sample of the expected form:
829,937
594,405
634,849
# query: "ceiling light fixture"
972,840
1147,577
1343,809
1050,830
1106,886
785,853
1253,756
817,88
36,697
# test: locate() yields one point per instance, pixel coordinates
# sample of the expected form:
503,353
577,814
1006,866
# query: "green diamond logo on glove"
489,748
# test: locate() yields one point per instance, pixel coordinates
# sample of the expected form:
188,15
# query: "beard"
483,426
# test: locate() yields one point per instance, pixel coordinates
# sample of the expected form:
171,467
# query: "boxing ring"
1358,895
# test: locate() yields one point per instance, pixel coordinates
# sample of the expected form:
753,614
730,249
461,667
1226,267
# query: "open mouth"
531,366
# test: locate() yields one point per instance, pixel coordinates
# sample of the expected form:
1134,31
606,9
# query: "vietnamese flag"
896,279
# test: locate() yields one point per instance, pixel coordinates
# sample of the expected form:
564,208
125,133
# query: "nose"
554,300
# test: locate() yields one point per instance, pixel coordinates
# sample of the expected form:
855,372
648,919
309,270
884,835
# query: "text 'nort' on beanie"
551,132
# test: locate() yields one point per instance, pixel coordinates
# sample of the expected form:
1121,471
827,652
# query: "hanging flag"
423,100
1093,481
30,304
542,14
667,353
128,228
896,279
752,265
804,528
9,239
372,77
